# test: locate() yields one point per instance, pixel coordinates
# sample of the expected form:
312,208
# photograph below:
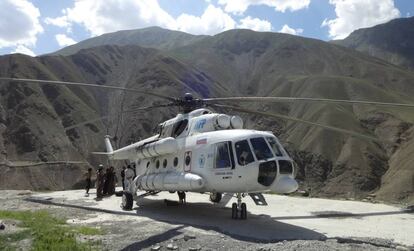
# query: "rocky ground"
155,226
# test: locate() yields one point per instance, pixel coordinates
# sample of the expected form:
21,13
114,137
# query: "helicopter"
203,151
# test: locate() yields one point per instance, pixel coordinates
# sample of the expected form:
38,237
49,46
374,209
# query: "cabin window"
244,153
179,127
175,161
157,164
275,146
164,163
285,167
187,160
223,156
261,149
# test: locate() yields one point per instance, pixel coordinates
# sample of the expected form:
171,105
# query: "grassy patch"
7,239
89,230
47,232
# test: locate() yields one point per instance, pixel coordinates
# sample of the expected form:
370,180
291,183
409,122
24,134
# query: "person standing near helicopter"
88,180
99,182
123,177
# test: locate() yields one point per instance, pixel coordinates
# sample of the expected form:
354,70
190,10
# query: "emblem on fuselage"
201,161
200,124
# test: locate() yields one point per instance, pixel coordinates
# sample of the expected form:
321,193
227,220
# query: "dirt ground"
200,225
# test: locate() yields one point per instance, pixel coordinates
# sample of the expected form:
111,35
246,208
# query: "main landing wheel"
243,211
215,197
234,211
127,201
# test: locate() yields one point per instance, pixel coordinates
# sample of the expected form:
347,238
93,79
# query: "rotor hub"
188,103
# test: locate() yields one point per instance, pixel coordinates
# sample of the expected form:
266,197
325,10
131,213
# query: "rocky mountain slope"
268,64
392,41
237,62
34,117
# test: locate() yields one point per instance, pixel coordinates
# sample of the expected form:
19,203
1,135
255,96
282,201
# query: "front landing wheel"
243,211
234,211
127,201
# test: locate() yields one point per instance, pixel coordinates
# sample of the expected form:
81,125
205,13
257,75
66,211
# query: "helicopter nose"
282,182
285,184
267,173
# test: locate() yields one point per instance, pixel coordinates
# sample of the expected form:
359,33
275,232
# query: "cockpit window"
260,148
243,152
275,146
179,127
223,155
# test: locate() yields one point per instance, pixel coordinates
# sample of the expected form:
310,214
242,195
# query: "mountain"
392,41
271,64
33,118
236,62
151,37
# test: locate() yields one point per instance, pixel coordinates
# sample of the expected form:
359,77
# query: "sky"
36,27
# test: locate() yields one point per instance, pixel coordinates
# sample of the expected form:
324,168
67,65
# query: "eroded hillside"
238,62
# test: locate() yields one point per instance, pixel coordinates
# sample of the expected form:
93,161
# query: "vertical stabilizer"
108,145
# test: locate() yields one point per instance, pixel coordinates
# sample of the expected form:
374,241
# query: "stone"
171,247
155,248
189,237
194,248
402,248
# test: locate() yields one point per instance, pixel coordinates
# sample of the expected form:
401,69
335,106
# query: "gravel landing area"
196,226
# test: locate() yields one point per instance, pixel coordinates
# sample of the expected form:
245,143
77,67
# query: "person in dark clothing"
99,182
123,177
133,166
88,180
111,181
181,197
106,181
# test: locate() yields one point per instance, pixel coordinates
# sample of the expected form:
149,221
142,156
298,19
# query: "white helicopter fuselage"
206,155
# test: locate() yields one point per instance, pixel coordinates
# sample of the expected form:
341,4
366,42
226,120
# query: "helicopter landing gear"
239,209
127,201
215,197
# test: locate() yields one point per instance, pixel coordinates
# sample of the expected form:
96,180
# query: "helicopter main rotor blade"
299,99
38,163
65,83
108,116
327,127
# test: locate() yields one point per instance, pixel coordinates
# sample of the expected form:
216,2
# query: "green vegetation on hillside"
46,232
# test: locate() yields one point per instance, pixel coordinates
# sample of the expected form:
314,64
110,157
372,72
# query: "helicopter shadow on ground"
207,216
